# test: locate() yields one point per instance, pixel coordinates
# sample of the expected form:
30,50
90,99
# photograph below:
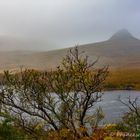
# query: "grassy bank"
118,79
123,79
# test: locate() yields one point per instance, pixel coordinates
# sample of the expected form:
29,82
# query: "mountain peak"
122,35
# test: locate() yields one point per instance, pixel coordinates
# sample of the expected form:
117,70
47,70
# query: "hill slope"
122,49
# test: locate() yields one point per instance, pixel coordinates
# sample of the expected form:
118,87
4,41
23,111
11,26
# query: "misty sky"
54,24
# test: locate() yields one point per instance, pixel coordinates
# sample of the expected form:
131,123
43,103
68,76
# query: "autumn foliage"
55,105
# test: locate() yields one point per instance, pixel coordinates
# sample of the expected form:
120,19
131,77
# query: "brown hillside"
121,50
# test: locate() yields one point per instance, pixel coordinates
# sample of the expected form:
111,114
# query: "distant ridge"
121,50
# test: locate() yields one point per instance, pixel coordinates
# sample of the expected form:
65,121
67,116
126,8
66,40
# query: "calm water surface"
112,108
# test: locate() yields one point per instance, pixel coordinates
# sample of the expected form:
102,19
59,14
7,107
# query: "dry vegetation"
118,79
30,110
123,79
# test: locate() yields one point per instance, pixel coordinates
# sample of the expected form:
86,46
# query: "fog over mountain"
120,51
55,24
34,33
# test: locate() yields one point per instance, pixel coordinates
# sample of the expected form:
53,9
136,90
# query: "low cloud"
63,23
